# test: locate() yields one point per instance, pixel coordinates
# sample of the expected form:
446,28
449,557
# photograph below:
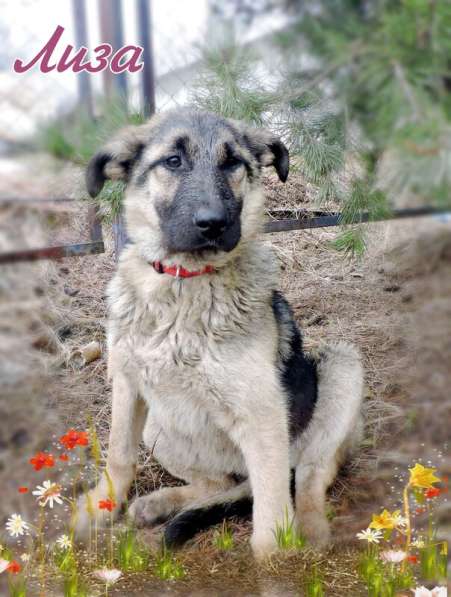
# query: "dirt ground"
394,304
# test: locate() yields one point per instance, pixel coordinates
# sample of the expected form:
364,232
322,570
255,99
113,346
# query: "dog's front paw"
149,510
316,530
263,545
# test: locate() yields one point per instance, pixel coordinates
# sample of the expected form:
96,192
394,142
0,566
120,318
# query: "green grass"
314,585
74,586
382,579
223,538
131,554
17,588
167,567
287,536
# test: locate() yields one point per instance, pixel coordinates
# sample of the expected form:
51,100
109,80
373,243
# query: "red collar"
180,272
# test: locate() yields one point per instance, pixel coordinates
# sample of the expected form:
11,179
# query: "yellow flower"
421,476
386,520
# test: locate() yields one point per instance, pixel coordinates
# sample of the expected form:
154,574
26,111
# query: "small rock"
71,291
87,354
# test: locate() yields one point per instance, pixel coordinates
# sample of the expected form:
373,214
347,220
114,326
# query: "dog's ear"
116,159
269,150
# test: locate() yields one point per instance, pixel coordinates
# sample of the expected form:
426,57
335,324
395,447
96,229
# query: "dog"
204,355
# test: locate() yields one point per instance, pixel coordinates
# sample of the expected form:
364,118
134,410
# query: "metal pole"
81,39
106,36
118,38
143,10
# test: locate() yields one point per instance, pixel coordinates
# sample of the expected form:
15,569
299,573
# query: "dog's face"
193,182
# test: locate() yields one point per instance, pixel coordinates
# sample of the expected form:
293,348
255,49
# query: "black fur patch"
298,371
185,525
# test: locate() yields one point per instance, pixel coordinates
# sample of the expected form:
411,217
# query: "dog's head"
193,182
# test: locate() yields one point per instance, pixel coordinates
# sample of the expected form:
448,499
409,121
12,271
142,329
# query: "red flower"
74,438
14,567
64,457
41,460
23,490
107,505
433,492
412,559
420,510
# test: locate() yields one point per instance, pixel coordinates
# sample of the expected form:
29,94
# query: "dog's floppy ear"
269,150
116,159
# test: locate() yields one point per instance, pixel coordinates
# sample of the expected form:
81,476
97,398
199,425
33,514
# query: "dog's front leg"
262,435
128,418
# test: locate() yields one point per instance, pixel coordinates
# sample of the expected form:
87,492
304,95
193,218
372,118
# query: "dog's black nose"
210,222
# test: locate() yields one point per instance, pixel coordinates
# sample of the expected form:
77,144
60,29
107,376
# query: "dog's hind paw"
149,510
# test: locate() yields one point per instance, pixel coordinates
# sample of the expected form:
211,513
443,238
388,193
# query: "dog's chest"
178,341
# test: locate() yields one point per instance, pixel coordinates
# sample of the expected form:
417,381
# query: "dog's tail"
236,501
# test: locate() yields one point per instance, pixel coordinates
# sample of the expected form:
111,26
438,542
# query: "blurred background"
360,90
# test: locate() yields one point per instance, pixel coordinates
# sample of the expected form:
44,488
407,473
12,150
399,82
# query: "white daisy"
64,542
393,555
398,520
418,543
16,526
25,557
109,576
47,493
370,535
3,565
437,592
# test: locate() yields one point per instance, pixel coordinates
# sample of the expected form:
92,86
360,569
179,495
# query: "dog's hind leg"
334,430
163,503
198,516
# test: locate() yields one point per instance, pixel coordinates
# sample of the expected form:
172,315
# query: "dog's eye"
173,162
231,162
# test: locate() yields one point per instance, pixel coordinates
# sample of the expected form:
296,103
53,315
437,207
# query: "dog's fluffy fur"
210,371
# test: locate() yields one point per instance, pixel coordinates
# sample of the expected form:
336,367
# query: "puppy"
205,358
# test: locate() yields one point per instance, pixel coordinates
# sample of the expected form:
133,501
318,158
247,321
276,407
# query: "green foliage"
223,538
287,536
167,567
395,84
383,579
314,585
109,199
228,87
65,560
131,554
78,137
433,562
17,588
74,586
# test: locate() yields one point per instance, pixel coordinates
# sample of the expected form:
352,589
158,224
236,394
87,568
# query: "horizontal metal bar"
28,200
303,221
76,250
